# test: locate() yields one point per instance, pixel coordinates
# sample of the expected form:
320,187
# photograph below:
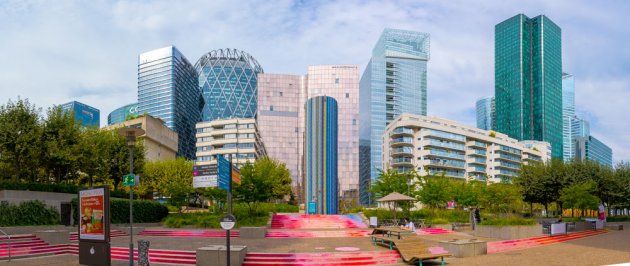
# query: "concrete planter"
583,226
54,237
442,226
509,232
216,255
465,247
253,232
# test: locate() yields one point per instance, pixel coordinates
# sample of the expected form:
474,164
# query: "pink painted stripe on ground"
508,245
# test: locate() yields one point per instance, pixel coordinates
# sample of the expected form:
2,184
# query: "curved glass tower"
121,114
227,79
320,157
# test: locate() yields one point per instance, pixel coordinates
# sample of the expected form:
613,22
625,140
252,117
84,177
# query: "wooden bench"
412,249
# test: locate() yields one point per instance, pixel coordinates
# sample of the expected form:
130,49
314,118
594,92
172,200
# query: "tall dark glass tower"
228,79
528,80
168,89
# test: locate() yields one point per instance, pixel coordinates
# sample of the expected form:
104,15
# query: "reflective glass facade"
394,82
86,115
320,158
568,112
485,113
528,80
590,148
168,89
122,114
227,79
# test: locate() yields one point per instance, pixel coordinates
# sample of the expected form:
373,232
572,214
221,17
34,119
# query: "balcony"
402,141
447,163
402,161
510,157
447,154
477,160
449,145
509,165
478,144
509,150
456,174
446,135
402,151
477,169
402,131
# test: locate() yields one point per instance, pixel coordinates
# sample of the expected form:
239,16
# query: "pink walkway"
320,259
508,245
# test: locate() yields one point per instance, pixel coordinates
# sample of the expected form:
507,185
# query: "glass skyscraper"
394,82
485,113
590,148
84,114
228,80
168,89
121,114
320,158
568,112
528,80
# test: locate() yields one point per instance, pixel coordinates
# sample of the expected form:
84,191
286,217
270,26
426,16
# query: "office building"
281,99
122,114
590,148
528,80
320,157
485,113
238,137
84,114
281,118
568,112
227,79
394,82
168,89
160,142
437,146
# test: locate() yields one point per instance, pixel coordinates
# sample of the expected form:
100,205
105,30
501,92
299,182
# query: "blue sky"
57,51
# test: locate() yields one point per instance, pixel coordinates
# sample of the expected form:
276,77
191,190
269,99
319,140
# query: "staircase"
296,221
23,246
74,236
317,259
189,233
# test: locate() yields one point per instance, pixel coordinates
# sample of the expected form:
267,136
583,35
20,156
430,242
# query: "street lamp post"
131,133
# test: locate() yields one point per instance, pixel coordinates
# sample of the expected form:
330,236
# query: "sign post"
94,226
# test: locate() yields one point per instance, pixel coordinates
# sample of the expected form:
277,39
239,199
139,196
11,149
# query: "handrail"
9,242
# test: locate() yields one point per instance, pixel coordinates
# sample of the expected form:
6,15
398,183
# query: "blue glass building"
228,81
320,157
394,82
485,113
590,148
168,89
84,114
122,114
568,112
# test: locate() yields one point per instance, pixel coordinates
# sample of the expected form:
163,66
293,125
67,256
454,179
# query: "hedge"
52,187
144,211
28,213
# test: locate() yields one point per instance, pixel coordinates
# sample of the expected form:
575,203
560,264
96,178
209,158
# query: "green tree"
435,191
391,181
171,178
579,196
467,193
264,180
501,197
60,138
20,131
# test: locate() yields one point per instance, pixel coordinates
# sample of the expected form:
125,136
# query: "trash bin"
143,252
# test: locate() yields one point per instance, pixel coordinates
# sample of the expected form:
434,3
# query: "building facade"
281,99
590,148
238,137
485,113
168,89
568,112
122,114
321,182
228,81
528,80
160,142
84,114
394,82
436,146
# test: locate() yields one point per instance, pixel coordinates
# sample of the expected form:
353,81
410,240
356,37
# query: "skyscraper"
227,79
485,113
568,112
84,114
528,80
394,82
121,114
590,148
168,89
320,158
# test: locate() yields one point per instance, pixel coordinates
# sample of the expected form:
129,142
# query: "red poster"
92,214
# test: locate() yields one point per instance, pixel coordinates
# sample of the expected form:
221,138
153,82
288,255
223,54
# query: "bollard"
143,252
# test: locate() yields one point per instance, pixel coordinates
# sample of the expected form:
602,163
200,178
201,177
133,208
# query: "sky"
58,51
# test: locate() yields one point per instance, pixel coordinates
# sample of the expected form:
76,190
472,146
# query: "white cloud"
57,51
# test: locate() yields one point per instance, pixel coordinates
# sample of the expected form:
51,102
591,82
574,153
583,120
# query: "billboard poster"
93,214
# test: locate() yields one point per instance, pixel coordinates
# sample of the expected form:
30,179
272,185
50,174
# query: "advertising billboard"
94,214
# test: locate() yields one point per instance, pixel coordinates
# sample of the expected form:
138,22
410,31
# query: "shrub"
144,211
240,211
617,218
28,213
436,216
505,221
53,187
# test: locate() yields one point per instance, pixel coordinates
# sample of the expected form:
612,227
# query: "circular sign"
227,221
